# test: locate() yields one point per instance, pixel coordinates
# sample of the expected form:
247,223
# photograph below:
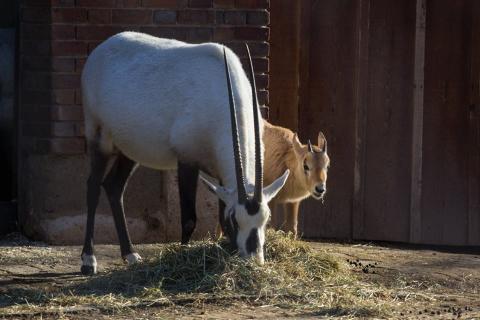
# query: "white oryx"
167,104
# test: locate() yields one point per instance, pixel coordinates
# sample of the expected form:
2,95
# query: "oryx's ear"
322,142
271,191
220,191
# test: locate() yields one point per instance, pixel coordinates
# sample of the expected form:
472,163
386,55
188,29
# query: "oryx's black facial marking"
232,227
252,206
252,241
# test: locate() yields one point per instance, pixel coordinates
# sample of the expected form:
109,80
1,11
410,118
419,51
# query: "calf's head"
313,163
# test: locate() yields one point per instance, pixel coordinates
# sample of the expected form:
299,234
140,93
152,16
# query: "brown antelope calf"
308,165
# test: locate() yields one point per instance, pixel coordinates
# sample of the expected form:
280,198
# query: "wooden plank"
386,175
327,104
284,62
417,123
474,128
445,134
361,73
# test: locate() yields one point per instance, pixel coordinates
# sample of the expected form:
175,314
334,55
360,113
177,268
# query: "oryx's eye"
305,167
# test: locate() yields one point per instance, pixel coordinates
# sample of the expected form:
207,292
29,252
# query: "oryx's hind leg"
187,187
98,164
114,185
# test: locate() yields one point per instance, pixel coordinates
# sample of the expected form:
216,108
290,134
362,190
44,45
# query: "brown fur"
284,151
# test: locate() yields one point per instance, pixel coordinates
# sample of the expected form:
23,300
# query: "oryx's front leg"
114,185
291,217
187,187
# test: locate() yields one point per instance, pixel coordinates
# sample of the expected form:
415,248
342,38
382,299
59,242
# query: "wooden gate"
395,87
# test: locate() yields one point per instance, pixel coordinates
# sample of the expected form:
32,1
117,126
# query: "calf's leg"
187,187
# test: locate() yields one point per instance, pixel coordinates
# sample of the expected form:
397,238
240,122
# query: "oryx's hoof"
132,258
89,265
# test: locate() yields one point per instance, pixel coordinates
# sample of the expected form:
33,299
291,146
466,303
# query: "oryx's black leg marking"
114,185
187,187
98,165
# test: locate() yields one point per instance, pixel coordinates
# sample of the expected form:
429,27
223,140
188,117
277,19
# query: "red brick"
49,97
260,65
224,3
63,96
92,45
259,49
258,18
62,64
70,15
251,33
96,3
65,81
167,4
222,34
79,64
200,3
252,4
131,16
97,32
69,48
66,146
165,16
263,97
196,17
219,17
198,35
63,129
63,32
62,3
78,96
235,17
178,33
100,16
39,14
128,3
262,81
67,113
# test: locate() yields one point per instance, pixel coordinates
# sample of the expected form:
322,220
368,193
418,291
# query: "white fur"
160,101
133,258
89,261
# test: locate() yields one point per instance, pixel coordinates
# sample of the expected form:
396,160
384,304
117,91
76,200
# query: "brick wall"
56,37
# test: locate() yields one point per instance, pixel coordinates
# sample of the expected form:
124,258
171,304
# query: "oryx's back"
149,96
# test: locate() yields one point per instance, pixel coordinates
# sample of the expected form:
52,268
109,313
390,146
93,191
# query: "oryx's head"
246,215
313,163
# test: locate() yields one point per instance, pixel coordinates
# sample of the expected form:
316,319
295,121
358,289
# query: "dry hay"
294,276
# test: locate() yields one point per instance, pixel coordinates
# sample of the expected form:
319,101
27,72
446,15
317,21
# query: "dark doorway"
8,32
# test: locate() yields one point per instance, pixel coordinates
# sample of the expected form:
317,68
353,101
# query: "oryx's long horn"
258,152
242,194
310,148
